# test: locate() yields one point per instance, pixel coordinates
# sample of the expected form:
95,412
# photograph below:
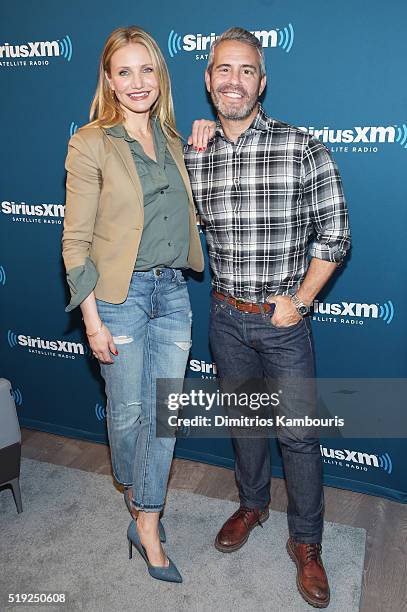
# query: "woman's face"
133,78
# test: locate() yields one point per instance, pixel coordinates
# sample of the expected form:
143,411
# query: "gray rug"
71,538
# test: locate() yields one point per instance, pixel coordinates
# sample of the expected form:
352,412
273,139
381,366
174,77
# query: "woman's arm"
99,337
83,187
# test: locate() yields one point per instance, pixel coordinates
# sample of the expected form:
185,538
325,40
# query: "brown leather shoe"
235,532
312,582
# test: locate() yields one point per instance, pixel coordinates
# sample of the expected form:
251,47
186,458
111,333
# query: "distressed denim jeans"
152,333
248,347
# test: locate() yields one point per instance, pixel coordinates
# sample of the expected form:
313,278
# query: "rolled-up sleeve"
323,192
83,186
82,281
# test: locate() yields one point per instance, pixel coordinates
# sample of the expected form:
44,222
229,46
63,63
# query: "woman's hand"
202,131
99,337
102,345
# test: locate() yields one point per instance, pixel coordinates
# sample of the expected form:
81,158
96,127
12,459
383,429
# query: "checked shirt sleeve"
322,190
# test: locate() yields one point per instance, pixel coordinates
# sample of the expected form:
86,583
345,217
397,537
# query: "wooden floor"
385,572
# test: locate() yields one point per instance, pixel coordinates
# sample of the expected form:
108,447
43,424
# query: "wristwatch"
302,308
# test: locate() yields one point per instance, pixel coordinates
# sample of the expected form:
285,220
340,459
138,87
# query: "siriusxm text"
30,49
200,42
37,210
356,134
53,345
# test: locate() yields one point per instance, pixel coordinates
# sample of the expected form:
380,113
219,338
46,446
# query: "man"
271,199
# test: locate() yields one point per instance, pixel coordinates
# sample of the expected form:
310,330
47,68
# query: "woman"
130,228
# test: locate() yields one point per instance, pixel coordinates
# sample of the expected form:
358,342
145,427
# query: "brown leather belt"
244,306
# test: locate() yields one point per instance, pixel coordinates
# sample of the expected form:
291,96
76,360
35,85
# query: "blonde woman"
129,231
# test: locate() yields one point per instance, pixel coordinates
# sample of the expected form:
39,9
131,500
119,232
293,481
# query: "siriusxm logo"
33,213
359,135
279,37
54,48
3,277
353,309
100,412
357,457
73,128
203,367
48,347
17,396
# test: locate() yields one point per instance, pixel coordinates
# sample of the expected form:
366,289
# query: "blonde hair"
105,110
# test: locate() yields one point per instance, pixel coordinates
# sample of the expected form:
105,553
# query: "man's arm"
322,191
318,274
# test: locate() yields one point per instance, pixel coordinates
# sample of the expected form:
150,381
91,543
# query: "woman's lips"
139,95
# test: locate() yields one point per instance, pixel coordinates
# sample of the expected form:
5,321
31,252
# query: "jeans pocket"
179,278
216,307
288,327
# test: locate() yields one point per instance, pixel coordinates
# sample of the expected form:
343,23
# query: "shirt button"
162,192
169,244
165,218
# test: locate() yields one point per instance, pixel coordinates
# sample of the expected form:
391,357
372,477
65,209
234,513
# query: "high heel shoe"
168,574
161,530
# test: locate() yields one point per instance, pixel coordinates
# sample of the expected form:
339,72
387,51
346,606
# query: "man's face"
234,82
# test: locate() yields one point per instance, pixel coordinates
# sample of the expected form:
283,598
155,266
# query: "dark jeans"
248,346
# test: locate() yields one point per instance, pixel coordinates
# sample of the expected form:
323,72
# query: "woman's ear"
109,80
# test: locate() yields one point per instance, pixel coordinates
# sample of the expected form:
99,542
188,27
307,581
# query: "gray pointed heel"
168,574
161,530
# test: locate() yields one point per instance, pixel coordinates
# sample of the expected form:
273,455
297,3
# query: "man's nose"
235,76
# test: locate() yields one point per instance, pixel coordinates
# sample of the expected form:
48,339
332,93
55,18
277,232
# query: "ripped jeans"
152,333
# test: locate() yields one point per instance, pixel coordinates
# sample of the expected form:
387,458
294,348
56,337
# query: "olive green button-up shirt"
165,238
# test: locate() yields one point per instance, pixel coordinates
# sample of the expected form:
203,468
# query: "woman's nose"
137,81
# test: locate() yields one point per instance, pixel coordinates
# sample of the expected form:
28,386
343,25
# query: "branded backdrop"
337,72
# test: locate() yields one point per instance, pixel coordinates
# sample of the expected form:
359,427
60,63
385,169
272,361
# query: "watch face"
303,310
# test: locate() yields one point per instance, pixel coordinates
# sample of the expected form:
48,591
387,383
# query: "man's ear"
263,82
208,81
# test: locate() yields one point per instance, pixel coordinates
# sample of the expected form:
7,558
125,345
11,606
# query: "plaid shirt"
269,202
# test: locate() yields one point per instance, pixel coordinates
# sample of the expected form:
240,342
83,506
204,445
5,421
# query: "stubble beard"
233,114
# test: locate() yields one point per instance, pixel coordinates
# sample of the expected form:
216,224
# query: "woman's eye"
149,69
123,73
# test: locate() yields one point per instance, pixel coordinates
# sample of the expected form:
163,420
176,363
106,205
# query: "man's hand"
202,131
285,313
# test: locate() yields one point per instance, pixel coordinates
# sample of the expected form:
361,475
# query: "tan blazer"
104,211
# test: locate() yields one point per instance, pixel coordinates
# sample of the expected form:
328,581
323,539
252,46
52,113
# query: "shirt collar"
119,131
261,123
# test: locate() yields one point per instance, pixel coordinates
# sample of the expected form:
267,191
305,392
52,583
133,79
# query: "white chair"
10,442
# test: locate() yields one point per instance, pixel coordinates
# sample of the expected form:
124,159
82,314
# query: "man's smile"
232,94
